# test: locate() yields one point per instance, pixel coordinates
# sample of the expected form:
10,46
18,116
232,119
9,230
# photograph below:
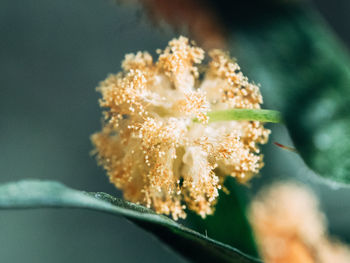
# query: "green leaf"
229,223
304,72
245,115
191,244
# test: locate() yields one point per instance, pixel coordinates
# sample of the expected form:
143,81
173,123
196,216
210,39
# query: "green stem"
246,115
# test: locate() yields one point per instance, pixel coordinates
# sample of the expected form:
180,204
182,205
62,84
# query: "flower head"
290,228
156,142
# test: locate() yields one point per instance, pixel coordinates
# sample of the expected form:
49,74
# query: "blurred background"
52,56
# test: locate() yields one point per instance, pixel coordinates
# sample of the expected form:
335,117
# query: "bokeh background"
52,56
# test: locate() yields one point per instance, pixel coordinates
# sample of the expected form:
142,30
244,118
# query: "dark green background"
52,56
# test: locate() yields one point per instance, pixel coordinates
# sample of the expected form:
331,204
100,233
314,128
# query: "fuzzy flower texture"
157,143
290,228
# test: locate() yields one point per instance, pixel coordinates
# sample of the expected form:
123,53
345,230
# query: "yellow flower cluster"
156,143
290,228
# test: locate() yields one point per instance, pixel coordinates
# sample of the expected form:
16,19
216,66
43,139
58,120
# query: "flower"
290,228
157,144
